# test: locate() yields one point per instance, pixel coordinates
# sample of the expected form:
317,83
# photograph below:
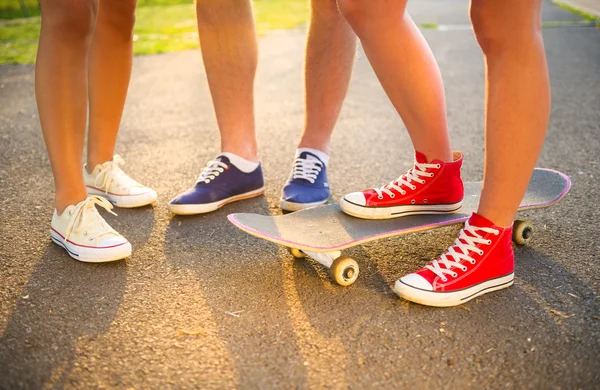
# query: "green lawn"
161,26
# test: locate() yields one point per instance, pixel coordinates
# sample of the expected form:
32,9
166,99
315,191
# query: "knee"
73,20
496,30
361,14
355,12
119,17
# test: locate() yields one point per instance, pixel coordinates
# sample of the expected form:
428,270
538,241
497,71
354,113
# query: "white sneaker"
85,235
109,181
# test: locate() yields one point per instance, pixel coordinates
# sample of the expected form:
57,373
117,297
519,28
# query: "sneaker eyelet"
472,262
424,200
393,196
489,242
85,234
380,197
438,166
431,175
413,201
413,188
402,192
444,279
464,269
454,275
481,253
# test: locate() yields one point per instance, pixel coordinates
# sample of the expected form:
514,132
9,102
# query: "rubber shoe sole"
92,254
125,201
390,212
191,209
293,206
445,298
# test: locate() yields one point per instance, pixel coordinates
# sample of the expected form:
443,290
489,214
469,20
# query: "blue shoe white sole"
191,209
293,206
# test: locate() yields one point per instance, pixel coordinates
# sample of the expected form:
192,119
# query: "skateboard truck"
342,269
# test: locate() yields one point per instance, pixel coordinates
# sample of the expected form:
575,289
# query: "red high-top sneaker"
480,260
428,188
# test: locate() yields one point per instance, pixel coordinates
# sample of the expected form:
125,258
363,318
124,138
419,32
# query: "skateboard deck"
327,228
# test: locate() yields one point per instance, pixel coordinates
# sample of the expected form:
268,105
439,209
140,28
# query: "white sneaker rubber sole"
125,201
191,209
445,299
396,211
90,254
293,206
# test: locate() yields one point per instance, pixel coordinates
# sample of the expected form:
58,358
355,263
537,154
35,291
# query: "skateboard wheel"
522,232
297,253
344,270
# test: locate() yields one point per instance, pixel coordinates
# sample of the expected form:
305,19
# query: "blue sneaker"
220,183
308,186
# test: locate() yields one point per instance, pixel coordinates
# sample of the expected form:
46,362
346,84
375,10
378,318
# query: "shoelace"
413,175
113,173
307,168
213,169
466,242
86,218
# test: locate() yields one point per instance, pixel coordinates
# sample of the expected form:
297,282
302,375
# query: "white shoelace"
459,251
113,173
213,169
86,218
307,168
413,175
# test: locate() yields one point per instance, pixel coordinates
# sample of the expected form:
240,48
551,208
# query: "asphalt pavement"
202,304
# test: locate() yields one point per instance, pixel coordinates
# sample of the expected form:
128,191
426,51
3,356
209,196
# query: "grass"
583,14
161,26
433,26
12,9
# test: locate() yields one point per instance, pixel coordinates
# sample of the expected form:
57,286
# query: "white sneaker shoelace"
307,168
112,173
213,169
407,179
459,251
86,219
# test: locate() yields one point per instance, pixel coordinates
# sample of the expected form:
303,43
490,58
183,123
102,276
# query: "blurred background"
161,25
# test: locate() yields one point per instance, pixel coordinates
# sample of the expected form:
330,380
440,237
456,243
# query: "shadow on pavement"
251,315
65,300
508,334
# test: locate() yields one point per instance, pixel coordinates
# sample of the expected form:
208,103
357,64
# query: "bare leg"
330,50
61,91
109,73
406,69
517,101
229,51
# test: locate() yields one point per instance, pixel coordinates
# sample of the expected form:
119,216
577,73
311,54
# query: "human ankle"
497,218
321,145
324,157
94,160
435,155
64,201
249,153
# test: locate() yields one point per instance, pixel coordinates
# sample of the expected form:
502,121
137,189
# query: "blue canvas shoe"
308,186
220,183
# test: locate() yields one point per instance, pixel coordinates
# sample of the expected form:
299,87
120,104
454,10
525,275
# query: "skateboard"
322,232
